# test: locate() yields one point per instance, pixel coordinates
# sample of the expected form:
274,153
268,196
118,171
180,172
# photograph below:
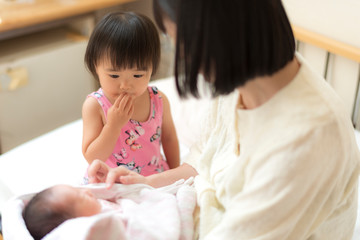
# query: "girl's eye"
138,76
114,76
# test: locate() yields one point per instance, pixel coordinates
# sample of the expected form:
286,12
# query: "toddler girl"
126,121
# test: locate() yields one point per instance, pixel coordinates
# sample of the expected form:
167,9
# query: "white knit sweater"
285,170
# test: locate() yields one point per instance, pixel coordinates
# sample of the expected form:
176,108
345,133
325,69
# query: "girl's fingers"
126,103
118,100
110,179
98,171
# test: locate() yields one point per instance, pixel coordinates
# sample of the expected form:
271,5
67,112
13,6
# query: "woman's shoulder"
307,100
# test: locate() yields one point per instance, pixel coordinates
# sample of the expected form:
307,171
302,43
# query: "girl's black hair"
127,39
229,42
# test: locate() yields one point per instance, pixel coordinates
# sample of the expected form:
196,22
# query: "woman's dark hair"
229,42
164,9
41,216
127,39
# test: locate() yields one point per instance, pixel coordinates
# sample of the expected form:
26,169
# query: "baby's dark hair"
127,39
42,215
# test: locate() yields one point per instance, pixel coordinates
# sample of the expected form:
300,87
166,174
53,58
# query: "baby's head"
126,40
52,206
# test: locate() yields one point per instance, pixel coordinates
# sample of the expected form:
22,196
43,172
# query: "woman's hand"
99,172
124,176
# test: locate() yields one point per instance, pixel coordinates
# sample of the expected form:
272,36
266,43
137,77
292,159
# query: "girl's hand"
120,112
98,171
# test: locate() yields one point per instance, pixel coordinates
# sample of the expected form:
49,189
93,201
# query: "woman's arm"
169,138
168,177
99,172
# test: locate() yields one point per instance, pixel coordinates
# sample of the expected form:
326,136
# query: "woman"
278,159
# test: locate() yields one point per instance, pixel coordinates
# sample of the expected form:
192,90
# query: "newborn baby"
53,206
135,211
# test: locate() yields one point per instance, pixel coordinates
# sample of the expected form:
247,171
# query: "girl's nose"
124,86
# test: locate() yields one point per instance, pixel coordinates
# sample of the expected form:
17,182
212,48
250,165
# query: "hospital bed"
56,157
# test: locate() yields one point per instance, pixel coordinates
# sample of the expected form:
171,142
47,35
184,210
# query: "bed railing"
338,62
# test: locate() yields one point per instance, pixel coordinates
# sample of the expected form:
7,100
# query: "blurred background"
43,80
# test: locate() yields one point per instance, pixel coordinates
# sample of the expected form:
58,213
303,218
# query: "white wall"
338,19
57,85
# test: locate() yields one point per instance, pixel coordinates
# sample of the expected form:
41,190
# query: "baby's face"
82,200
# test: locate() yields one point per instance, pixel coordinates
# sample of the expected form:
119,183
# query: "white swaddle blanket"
146,213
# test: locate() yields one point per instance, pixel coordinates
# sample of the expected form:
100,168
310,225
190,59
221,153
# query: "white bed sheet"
44,161
56,156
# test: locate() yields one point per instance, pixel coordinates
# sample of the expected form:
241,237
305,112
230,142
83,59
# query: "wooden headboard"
338,62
